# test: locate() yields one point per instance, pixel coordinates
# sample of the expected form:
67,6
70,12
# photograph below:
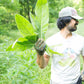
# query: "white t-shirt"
66,69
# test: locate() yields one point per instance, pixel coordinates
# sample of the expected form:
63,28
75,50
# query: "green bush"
21,68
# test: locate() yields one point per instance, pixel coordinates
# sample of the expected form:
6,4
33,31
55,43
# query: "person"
65,69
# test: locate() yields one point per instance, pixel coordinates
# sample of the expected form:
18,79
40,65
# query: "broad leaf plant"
34,30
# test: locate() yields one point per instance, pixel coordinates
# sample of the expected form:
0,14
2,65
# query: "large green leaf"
24,26
42,13
22,44
50,51
35,23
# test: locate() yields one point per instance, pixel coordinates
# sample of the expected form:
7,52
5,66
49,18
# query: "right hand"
40,46
82,76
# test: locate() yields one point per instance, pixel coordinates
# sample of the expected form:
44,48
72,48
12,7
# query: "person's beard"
72,29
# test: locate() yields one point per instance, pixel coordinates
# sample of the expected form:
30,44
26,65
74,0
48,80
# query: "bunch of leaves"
34,30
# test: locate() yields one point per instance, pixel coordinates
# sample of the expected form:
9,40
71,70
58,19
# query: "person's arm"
43,60
82,53
82,74
83,63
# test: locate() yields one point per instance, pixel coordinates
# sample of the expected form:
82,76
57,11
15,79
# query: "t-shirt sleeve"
82,53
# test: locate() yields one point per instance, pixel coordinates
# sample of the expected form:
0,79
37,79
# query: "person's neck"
65,33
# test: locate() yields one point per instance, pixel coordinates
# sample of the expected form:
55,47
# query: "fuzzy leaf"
24,26
23,43
50,51
42,13
35,23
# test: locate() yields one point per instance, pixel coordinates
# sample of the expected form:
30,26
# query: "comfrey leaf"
23,43
24,26
31,32
49,50
35,23
42,13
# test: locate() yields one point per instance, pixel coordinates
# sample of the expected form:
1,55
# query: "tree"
8,9
55,6
26,7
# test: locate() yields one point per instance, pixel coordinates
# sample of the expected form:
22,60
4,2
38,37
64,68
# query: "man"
65,69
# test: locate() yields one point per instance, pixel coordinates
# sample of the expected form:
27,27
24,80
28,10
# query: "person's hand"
40,46
82,76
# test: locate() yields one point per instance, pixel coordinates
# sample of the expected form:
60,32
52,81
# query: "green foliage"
2,10
7,14
29,31
56,5
38,30
3,18
42,13
35,22
24,26
4,22
10,5
21,67
50,51
26,6
22,44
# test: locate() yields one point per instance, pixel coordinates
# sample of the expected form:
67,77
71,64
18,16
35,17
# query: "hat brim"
78,17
